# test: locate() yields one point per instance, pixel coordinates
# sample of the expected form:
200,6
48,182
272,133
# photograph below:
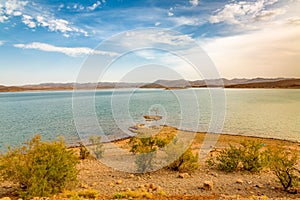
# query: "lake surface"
271,113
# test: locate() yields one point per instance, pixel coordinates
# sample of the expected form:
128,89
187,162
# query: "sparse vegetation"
39,168
88,194
80,195
253,158
83,152
283,164
185,162
228,159
97,146
145,148
249,156
129,194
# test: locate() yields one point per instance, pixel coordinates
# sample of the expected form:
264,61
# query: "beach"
167,184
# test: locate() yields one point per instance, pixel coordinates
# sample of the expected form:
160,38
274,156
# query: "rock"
152,186
84,186
214,174
140,125
152,117
208,185
239,181
131,176
118,182
111,184
184,175
259,186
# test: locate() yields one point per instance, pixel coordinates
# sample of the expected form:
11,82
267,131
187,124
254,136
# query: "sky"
51,41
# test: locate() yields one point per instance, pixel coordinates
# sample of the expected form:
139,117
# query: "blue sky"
49,41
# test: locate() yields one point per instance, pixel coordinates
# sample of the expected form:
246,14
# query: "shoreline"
197,133
108,181
89,89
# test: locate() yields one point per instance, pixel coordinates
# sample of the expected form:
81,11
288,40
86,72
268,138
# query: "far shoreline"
99,89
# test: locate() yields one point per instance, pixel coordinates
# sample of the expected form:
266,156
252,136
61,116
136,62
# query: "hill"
165,84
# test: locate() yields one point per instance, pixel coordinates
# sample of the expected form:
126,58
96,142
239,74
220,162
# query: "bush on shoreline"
39,168
182,162
251,157
145,148
283,165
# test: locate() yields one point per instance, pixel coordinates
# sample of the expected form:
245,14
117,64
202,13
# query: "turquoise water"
259,112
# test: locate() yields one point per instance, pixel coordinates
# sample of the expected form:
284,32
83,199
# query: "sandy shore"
238,185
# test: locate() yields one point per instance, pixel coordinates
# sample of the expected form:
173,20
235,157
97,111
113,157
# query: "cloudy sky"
49,41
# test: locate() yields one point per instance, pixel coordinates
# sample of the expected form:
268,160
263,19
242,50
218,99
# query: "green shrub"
83,152
283,164
186,161
145,148
119,196
129,194
97,146
253,159
39,168
249,156
228,159
88,194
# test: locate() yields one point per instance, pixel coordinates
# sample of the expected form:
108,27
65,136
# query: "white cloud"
1,43
74,52
170,12
60,25
274,51
157,24
194,21
61,6
244,12
194,2
11,6
94,6
37,17
294,20
267,15
3,18
27,20
154,38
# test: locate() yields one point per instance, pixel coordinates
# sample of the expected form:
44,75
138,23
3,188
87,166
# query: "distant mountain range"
165,84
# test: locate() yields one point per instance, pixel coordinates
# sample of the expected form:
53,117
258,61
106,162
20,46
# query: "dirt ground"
238,185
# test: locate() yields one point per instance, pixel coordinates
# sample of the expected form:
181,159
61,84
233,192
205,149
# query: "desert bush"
88,194
179,161
283,165
129,194
97,146
83,152
145,148
39,168
228,159
248,156
253,158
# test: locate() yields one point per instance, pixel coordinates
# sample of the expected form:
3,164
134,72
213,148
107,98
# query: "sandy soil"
238,185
